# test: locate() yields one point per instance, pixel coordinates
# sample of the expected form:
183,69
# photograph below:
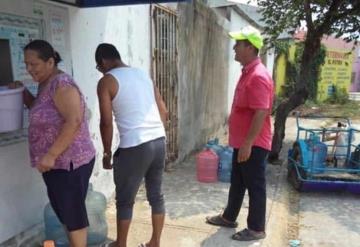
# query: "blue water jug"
97,230
225,165
317,154
96,207
215,146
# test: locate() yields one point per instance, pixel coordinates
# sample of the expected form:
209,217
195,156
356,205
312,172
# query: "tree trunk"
283,110
297,98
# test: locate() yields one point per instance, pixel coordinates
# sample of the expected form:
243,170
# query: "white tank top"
136,114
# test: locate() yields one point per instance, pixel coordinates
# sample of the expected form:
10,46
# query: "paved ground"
188,202
315,218
329,219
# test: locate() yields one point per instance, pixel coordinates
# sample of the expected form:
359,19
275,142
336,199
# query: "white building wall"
236,23
270,59
22,192
128,28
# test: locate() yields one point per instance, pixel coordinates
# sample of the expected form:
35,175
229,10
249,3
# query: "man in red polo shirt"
250,136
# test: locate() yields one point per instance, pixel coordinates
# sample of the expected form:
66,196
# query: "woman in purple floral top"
59,139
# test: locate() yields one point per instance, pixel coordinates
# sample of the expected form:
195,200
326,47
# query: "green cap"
248,33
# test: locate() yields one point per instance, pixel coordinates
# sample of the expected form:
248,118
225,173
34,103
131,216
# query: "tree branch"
329,17
350,12
308,17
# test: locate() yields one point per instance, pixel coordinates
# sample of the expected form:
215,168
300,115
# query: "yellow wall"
335,72
280,69
292,50
280,74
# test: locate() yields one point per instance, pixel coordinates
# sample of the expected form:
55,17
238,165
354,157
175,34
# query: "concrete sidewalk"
188,202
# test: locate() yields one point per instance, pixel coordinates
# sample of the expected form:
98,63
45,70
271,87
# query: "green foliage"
338,17
282,47
340,96
310,103
318,60
291,74
293,67
322,17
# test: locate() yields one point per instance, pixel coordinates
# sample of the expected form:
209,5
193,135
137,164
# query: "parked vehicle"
325,158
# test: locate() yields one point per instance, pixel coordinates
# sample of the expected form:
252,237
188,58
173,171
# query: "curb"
277,223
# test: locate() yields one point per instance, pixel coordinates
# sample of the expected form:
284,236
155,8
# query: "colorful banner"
335,73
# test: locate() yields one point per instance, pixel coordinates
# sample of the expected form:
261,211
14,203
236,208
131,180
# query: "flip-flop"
248,235
142,245
218,220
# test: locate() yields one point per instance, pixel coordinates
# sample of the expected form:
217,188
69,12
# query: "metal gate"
164,70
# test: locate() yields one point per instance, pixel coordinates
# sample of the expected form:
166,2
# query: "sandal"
248,235
110,244
218,220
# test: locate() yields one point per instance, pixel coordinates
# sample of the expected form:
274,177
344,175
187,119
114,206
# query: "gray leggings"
131,165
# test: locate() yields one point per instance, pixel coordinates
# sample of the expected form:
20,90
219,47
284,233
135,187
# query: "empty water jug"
225,165
97,230
207,166
214,145
96,207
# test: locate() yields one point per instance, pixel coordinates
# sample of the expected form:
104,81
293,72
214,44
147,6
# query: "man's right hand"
15,84
107,162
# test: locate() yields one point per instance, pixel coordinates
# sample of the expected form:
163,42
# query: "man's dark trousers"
248,175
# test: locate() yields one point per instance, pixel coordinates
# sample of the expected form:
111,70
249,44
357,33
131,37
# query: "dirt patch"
293,206
306,111
350,110
291,196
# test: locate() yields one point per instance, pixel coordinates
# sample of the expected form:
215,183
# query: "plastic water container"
97,230
318,153
214,145
11,108
319,158
225,165
207,163
96,207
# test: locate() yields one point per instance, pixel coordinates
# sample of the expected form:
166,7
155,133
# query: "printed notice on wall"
335,72
39,10
18,32
58,35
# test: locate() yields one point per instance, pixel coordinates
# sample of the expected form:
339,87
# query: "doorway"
165,71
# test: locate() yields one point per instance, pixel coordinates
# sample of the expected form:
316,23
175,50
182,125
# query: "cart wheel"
295,159
294,179
292,174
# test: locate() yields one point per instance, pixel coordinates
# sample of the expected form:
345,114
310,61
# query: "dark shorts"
67,193
131,165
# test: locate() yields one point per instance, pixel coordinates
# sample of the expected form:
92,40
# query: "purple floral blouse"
45,124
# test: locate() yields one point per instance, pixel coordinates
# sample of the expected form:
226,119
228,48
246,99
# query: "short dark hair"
44,49
106,51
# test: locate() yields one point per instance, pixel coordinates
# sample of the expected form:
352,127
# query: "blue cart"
323,157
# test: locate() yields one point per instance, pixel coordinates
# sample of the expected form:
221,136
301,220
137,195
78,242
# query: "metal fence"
165,72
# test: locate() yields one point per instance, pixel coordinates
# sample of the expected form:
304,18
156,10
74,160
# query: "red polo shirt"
254,91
